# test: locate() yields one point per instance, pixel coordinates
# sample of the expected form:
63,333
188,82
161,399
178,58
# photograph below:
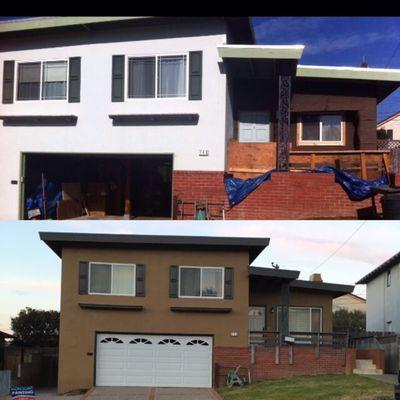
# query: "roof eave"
353,73
290,52
57,22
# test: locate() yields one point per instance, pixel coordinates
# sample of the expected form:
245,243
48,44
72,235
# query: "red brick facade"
304,361
288,195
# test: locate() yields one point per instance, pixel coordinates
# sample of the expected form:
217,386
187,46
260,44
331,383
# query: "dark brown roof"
57,240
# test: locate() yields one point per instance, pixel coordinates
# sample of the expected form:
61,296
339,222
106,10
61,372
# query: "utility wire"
340,247
394,53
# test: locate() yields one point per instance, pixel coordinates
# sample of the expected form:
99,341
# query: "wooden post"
312,160
290,354
363,162
317,346
277,355
284,317
386,163
128,206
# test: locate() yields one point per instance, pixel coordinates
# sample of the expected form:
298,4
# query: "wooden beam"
363,166
312,160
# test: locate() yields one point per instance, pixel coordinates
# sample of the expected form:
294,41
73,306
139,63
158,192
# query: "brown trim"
201,309
110,307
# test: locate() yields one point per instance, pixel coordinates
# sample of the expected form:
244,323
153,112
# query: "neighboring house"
141,310
3,337
383,296
144,116
390,127
350,302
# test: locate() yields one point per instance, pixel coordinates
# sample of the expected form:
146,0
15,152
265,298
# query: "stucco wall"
383,303
270,298
94,132
78,326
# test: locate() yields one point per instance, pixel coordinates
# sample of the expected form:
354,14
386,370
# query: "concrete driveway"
143,393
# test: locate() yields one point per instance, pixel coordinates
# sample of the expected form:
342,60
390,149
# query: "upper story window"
42,80
388,278
206,282
117,279
157,76
321,129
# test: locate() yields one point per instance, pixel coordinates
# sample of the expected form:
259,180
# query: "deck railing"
367,164
273,338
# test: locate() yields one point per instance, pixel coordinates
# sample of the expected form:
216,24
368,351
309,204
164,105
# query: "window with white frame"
321,129
204,282
45,80
303,319
157,76
118,279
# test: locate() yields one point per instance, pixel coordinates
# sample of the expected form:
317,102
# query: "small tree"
36,327
353,322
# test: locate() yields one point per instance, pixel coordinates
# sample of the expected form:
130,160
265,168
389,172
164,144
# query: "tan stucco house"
141,310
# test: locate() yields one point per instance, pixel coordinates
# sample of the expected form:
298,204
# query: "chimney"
315,278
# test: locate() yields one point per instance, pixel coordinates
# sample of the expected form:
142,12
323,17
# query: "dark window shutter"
83,277
195,75
228,289
173,280
140,280
118,78
74,81
8,82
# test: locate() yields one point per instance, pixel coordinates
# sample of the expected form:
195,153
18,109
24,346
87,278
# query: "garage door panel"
153,360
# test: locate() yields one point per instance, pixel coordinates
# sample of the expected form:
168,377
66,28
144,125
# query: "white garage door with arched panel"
153,360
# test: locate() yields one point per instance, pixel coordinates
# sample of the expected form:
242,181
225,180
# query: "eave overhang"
274,52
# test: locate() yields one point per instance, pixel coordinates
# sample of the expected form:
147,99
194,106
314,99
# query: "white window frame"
41,80
201,283
156,56
310,308
112,276
321,142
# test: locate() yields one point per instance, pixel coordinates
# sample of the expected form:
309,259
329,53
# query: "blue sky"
339,41
30,271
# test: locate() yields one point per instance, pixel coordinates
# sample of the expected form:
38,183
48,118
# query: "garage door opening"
59,186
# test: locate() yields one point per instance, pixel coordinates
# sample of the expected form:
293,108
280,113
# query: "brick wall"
304,362
288,195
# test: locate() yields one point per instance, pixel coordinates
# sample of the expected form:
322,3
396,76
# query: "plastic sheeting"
357,189
52,198
238,189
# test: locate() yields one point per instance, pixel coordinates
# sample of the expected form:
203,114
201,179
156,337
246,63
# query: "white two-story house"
129,116
383,296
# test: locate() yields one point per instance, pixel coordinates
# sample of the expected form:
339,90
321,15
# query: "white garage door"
153,360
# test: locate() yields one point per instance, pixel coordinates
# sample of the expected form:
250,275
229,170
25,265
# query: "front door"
254,126
256,324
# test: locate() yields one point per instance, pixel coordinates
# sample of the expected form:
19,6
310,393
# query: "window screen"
141,77
100,278
28,81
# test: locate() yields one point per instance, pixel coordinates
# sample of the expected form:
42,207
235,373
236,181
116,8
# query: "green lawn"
323,387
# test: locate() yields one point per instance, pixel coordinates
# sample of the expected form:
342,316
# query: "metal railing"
274,338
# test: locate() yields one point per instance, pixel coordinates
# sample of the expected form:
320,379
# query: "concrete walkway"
143,393
388,378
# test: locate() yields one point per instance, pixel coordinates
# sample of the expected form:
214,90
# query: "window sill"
110,307
201,309
320,144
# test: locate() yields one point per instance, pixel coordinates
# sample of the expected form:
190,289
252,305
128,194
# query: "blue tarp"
238,189
357,189
52,198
